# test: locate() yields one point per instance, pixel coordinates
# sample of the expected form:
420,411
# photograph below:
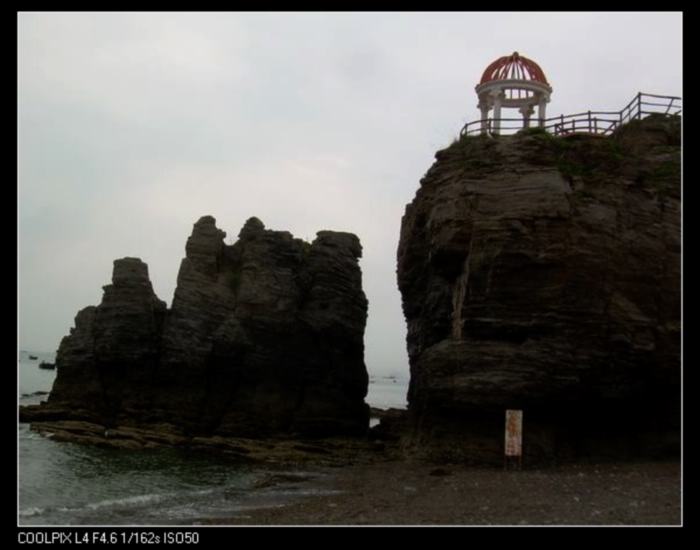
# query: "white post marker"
514,436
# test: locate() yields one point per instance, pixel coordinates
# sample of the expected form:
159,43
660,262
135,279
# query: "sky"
131,126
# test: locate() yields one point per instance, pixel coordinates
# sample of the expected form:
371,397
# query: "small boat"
33,357
45,365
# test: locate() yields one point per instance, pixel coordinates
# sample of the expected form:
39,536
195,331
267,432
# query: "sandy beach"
411,493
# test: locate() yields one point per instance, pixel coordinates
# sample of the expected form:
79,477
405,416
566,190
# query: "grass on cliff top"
670,125
468,141
573,157
586,157
468,150
592,159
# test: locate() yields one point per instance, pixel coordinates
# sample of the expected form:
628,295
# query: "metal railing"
590,122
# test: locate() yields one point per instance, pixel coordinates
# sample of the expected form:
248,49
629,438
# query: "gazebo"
513,82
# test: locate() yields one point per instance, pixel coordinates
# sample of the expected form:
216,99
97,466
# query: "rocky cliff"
264,337
543,273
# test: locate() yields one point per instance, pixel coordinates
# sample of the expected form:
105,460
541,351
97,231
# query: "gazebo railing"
589,122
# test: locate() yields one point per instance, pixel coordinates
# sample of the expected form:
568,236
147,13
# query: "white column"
526,111
484,115
542,110
497,113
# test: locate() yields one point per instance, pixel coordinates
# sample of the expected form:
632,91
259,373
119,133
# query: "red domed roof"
513,67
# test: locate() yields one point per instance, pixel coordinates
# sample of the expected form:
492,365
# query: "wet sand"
406,493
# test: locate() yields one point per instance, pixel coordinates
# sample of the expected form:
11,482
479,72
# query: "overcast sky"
134,125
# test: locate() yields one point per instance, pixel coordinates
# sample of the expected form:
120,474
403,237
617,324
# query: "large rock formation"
543,273
106,366
264,337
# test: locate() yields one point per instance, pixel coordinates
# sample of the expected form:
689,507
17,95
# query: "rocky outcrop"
543,274
278,323
264,337
329,451
106,365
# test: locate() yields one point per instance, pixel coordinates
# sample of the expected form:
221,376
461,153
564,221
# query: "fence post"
670,104
639,105
595,124
589,121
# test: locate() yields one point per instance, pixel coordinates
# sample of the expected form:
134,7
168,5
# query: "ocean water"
62,483
388,391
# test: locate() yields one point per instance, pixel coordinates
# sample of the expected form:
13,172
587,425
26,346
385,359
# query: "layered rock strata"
543,273
264,337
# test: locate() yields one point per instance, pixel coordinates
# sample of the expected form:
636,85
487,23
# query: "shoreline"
372,482
417,493
347,482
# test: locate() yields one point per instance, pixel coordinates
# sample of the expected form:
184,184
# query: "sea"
63,483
